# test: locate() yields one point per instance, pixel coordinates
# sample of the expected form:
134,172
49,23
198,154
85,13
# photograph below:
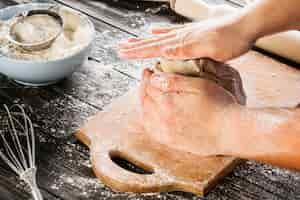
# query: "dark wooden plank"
11,187
6,3
128,16
54,151
282,182
134,17
104,52
49,142
96,84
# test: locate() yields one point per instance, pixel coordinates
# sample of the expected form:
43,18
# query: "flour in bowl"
77,34
36,28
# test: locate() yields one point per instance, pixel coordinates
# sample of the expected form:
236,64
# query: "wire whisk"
17,141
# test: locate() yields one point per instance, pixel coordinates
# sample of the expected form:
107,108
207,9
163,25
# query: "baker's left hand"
185,113
220,39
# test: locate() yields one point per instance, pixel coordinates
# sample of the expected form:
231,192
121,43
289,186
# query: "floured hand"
185,113
221,40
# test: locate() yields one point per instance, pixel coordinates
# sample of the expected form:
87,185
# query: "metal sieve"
35,46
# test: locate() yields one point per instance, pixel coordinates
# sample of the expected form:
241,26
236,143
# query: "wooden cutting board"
116,132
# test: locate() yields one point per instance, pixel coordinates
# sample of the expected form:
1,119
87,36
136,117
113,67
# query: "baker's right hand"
219,39
189,114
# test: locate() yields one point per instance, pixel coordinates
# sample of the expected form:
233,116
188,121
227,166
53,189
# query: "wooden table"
64,168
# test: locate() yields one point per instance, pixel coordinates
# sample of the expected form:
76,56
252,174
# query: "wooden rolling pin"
285,44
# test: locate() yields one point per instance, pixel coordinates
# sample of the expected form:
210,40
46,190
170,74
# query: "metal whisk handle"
36,193
29,176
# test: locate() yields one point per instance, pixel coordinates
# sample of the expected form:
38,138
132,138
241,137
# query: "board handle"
123,180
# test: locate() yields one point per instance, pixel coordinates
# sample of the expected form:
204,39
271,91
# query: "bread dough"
188,67
221,73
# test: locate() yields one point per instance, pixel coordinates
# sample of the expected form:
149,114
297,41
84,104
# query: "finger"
163,99
164,103
151,114
150,109
129,40
134,39
147,90
147,41
141,53
145,81
167,82
163,30
146,51
174,84
157,106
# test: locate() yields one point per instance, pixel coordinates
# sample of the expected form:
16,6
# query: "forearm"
268,135
266,17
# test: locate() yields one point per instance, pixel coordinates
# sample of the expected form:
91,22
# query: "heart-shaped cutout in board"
117,132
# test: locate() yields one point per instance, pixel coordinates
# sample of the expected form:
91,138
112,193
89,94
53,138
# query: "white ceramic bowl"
39,73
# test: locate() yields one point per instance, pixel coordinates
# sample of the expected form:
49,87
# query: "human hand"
185,113
220,39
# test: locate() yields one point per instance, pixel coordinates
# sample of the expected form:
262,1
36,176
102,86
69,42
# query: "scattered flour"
84,186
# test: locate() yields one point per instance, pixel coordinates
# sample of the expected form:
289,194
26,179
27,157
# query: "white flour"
36,28
76,35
